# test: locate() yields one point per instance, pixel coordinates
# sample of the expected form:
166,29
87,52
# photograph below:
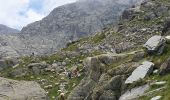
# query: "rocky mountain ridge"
7,30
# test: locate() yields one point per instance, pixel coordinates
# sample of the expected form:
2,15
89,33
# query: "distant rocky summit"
7,30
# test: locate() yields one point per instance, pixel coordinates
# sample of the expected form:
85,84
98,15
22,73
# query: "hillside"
111,65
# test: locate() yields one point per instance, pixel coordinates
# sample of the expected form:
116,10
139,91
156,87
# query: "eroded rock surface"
20,90
140,72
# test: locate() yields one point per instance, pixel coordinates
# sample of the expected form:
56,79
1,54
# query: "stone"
37,68
108,95
165,67
140,72
114,83
123,69
147,4
156,98
64,63
155,71
129,14
149,16
154,44
138,56
56,84
160,83
54,65
15,66
21,90
134,93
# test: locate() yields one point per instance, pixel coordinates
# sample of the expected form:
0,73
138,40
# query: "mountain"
7,30
71,22
64,25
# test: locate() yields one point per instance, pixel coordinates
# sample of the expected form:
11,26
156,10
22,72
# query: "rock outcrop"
155,44
102,81
20,90
141,72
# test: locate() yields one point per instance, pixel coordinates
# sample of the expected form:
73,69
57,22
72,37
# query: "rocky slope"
7,30
111,65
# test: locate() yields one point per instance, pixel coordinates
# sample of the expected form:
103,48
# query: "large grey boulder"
140,72
21,90
155,44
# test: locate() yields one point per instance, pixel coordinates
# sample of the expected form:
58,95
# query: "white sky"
19,13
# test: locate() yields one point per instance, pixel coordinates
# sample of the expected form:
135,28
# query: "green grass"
165,93
158,60
98,38
46,75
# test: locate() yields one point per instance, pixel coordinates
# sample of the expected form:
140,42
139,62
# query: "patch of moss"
98,38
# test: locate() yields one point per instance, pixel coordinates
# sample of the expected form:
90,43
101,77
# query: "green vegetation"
90,40
50,78
158,60
98,38
164,93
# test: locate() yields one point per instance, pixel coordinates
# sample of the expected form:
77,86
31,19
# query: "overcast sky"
19,13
